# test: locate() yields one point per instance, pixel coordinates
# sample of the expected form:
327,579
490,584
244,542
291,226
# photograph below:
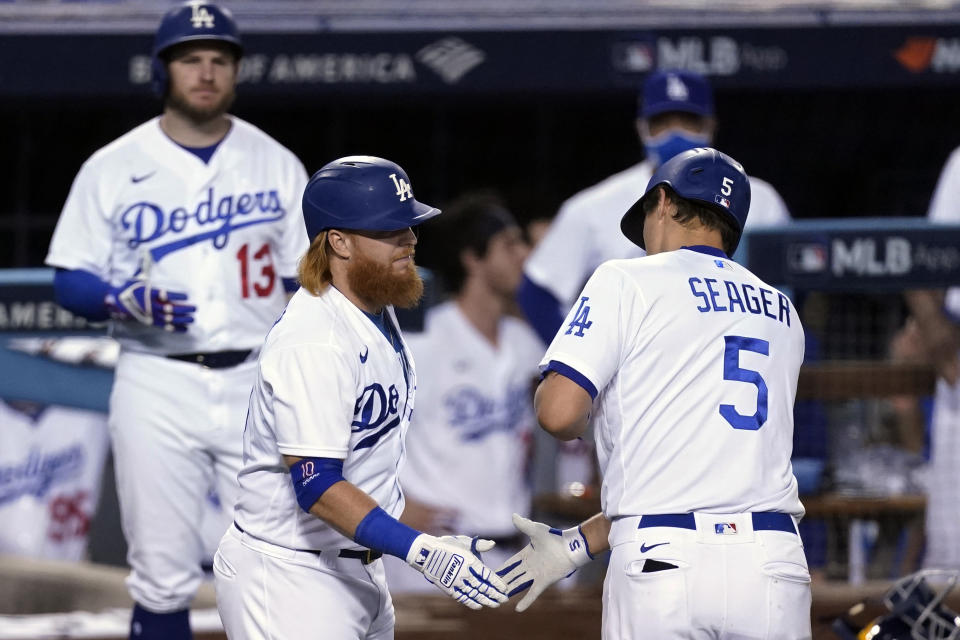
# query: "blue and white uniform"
330,384
692,362
226,232
51,465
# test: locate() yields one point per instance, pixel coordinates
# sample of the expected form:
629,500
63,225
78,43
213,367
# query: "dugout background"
844,126
830,153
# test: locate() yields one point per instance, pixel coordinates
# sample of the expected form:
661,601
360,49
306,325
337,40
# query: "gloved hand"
151,306
453,564
552,554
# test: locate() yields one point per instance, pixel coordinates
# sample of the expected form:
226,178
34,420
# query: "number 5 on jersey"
733,371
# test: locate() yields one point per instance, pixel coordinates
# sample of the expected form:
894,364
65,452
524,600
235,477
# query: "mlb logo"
421,557
807,258
725,528
723,202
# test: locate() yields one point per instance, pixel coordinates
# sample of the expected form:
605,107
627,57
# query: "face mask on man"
669,143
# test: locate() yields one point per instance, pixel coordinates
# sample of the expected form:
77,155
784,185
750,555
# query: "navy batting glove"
139,301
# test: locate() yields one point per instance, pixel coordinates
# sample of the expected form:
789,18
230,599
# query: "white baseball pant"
177,430
267,592
730,581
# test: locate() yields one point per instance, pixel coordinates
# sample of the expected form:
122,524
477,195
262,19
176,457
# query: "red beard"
380,285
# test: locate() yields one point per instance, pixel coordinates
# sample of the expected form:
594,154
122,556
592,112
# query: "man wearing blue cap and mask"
676,114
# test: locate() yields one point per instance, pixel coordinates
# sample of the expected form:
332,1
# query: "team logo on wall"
451,58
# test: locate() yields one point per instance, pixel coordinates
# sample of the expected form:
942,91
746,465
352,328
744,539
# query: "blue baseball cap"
684,91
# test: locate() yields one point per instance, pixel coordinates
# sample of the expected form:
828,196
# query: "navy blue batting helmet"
191,21
365,193
703,175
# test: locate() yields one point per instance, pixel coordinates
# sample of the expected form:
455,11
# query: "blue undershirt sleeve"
290,285
541,308
81,293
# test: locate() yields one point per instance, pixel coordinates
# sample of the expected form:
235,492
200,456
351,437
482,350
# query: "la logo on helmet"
403,187
201,18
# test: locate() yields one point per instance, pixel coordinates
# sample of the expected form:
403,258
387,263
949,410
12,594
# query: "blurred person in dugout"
51,465
936,314
476,365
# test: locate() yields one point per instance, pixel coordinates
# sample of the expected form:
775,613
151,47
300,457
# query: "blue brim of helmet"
631,224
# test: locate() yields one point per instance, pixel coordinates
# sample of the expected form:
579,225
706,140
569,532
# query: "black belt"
213,359
366,556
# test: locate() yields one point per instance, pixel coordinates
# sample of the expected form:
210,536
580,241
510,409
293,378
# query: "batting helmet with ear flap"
703,175
914,608
365,193
189,22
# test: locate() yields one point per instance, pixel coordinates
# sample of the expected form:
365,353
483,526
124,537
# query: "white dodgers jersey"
51,465
475,411
695,363
225,233
329,385
586,230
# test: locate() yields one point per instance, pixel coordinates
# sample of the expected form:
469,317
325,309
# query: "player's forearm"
343,506
323,492
562,406
596,531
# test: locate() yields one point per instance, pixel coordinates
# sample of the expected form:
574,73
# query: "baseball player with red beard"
324,439
686,364
186,232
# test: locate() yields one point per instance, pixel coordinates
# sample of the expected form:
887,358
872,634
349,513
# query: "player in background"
185,232
675,114
937,318
687,365
476,367
51,466
324,441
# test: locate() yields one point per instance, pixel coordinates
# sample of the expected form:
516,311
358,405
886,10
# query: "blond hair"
314,270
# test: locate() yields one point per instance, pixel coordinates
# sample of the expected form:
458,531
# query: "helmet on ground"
703,175
364,193
189,22
914,610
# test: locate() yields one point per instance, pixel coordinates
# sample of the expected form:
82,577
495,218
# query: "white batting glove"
452,563
552,554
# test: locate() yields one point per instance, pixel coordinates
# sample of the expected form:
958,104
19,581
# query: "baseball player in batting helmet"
191,22
688,364
319,491
703,176
185,233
